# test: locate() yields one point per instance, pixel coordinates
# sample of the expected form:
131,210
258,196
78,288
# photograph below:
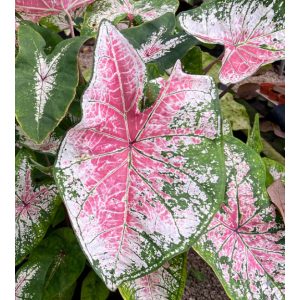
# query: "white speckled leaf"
156,42
166,283
244,243
35,206
275,171
45,84
140,187
117,10
252,32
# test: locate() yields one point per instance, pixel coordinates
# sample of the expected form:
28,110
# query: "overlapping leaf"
117,10
52,268
166,283
252,32
35,9
156,42
244,242
275,171
140,187
35,207
45,84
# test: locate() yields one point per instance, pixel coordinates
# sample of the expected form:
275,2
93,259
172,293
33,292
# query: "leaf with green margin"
155,41
275,171
45,84
166,283
244,242
36,204
192,61
155,175
254,138
52,269
118,10
234,112
93,288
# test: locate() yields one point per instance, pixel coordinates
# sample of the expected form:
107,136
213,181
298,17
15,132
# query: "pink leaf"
139,186
252,32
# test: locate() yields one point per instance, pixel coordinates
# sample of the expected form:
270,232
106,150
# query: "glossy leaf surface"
140,187
35,207
156,42
117,10
244,242
166,283
45,84
252,32
52,268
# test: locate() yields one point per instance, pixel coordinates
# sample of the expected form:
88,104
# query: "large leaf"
52,268
117,10
166,283
45,84
156,42
36,205
140,187
35,9
244,242
252,32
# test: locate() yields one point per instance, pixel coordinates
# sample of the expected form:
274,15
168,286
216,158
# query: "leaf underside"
140,187
244,242
252,32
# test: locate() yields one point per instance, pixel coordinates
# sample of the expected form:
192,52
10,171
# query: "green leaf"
118,10
156,41
167,282
45,84
234,112
93,288
274,171
36,204
207,59
59,216
52,268
192,61
254,138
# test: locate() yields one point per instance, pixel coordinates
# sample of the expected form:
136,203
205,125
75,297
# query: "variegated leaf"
52,269
140,187
117,10
35,207
166,283
156,42
45,84
275,171
254,138
252,32
244,242
35,9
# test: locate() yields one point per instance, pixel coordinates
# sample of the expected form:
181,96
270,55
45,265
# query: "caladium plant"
143,155
252,32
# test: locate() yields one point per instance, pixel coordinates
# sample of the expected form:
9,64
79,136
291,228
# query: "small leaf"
118,10
156,42
254,138
140,187
93,288
192,61
252,32
275,171
35,206
276,192
41,8
45,84
244,242
166,283
52,268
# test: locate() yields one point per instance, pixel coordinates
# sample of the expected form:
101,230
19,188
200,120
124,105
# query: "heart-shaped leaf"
36,205
252,32
140,187
156,42
45,84
244,241
166,283
35,9
52,268
117,10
